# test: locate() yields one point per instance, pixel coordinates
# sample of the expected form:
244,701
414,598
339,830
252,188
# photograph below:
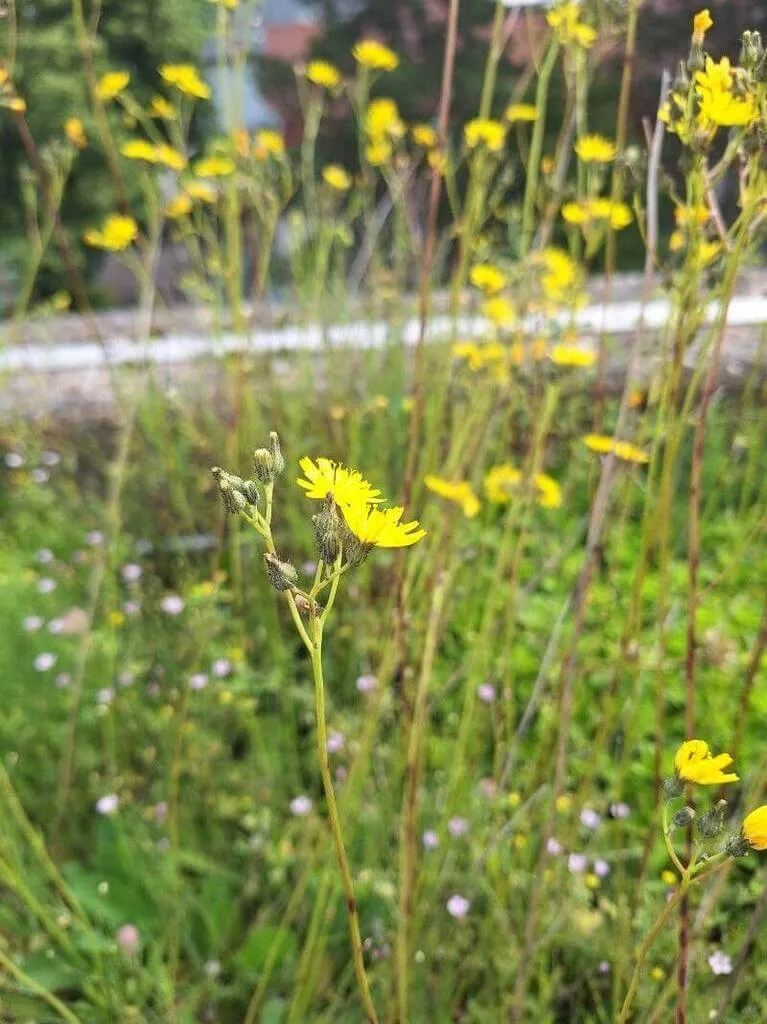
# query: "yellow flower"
500,481
571,355
201,190
382,119
437,161
695,763
377,153
622,449
338,178
268,143
179,206
169,157
111,85
323,73
75,132
116,618
186,79
374,55
657,974
521,112
17,104
117,234
458,491
568,29
381,527
549,491
478,356
229,4
160,107
487,277
214,167
561,272
595,149
325,477
424,135
701,23
668,877
499,310
483,131
139,149
687,215
563,803
590,210
755,828
724,109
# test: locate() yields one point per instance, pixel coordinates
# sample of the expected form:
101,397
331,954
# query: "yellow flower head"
564,20
487,277
139,149
112,84
381,527
377,153
268,143
500,481
371,54
324,74
382,119
117,234
424,135
75,132
595,149
185,78
561,272
169,157
549,491
323,477
589,211
478,356
17,104
622,449
695,763
701,23
571,355
458,491
499,310
724,109
201,190
484,132
160,107
668,877
521,112
179,206
338,178
755,828
214,167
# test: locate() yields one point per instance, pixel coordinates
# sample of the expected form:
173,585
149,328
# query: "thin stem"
37,988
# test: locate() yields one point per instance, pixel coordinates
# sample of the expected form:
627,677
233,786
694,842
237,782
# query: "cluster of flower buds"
753,56
331,535
281,575
236,494
269,463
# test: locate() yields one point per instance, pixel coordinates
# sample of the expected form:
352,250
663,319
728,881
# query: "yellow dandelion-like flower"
478,356
117,234
694,762
589,211
160,107
487,277
185,78
458,491
500,481
701,23
268,143
382,119
75,132
484,132
214,167
381,527
564,19
595,149
112,84
336,177
755,828
549,491
572,355
17,104
603,445
139,149
689,215
724,109
201,191
424,135
378,153
521,112
499,310
323,73
323,477
561,272
374,56
668,877
179,206
169,157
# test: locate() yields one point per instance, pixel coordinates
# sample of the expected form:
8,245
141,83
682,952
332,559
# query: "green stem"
536,145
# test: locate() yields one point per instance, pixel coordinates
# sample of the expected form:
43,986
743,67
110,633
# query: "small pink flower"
108,804
553,846
457,827
44,662
590,818
46,585
486,693
221,668
336,742
458,906
131,572
601,868
32,623
577,862
172,604
366,684
720,963
430,840
129,939
300,806
95,538
198,681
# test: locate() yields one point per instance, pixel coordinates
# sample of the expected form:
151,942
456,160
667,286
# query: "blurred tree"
48,72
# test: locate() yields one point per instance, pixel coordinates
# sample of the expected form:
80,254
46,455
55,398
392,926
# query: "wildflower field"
413,672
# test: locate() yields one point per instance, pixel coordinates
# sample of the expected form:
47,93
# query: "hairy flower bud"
263,465
328,530
233,500
752,54
281,575
712,822
683,817
672,788
250,492
276,452
736,845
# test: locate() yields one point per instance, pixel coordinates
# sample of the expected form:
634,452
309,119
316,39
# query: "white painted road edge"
616,318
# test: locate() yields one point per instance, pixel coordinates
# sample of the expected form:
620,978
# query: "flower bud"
263,465
281,575
683,817
233,500
276,452
672,788
712,822
328,531
752,53
736,845
250,492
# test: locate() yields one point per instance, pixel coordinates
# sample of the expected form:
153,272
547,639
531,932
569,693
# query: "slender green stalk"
39,990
